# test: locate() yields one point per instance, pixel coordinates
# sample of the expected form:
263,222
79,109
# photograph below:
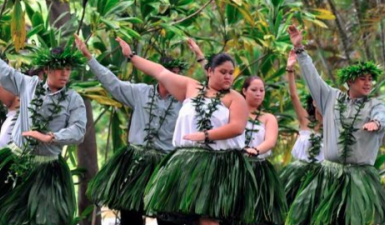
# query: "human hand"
45,138
126,49
371,126
195,48
295,36
198,136
291,60
82,47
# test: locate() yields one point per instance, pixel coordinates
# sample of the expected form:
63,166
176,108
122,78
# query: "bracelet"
207,139
129,57
299,49
201,60
289,70
52,136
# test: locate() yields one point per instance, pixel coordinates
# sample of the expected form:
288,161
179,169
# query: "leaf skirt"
271,206
293,175
120,184
197,181
338,194
7,158
45,197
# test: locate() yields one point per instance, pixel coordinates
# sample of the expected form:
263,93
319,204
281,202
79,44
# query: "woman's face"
255,93
221,77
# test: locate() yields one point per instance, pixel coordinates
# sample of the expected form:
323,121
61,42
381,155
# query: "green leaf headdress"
170,63
58,58
360,68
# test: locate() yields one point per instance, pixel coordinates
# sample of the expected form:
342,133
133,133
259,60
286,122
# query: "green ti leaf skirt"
7,158
204,183
293,175
337,194
271,207
120,184
45,196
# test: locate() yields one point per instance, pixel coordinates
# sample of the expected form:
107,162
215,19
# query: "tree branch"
185,18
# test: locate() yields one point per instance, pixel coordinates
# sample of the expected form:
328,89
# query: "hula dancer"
346,189
261,135
51,116
121,182
207,172
307,150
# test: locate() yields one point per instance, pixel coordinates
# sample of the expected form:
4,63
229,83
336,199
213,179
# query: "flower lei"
153,133
315,141
24,163
204,114
346,138
249,132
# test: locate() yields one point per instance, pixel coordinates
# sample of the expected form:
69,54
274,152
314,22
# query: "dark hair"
310,109
217,60
248,81
57,51
164,60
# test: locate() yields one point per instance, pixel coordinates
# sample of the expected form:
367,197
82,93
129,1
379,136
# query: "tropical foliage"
253,31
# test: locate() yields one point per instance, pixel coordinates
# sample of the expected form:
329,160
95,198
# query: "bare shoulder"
267,117
233,97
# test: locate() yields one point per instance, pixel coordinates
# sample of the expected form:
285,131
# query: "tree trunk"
363,33
341,31
87,158
57,8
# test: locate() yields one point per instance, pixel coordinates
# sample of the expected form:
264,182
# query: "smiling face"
361,86
58,78
254,93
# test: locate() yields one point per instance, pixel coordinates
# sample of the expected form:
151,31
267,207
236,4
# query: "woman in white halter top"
307,150
206,173
260,138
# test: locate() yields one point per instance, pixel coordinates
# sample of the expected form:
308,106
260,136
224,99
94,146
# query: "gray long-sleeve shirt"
367,143
68,126
137,96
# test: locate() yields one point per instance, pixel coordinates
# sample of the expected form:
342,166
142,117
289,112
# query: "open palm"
291,60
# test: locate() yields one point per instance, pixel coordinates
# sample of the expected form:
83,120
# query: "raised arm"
12,80
200,56
176,84
302,115
320,91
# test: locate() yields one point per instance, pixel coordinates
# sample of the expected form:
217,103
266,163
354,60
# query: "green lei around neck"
315,140
24,163
249,132
346,138
204,114
153,133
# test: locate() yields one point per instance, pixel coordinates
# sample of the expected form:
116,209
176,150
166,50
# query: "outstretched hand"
371,126
82,47
45,138
295,36
291,60
126,49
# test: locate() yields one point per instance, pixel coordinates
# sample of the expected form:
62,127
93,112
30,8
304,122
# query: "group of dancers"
198,152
